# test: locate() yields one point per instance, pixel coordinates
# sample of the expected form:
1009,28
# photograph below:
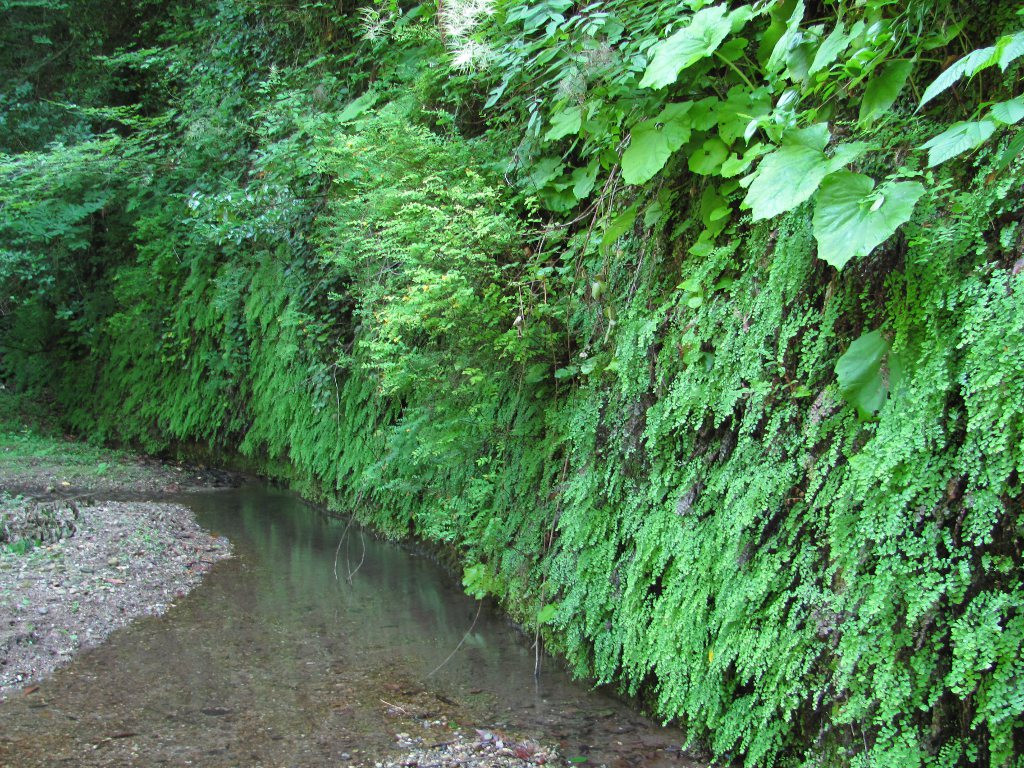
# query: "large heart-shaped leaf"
851,217
792,173
867,372
785,178
707,159
652,142
700,38
646,154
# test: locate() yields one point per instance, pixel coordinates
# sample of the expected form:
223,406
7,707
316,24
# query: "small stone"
113,562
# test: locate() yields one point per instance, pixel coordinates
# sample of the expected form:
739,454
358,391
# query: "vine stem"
737,70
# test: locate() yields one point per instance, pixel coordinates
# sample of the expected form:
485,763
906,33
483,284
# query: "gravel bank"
103,564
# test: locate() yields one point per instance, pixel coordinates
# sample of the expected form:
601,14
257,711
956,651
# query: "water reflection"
275,660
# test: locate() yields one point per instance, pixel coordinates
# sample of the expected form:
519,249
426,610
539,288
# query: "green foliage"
852,218
586,293
866,373
700,38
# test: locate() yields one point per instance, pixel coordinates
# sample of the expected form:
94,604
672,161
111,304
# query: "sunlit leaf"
647,153
789,38
652,142
968,65
700,38
848,223
1009,112
790,174
676,123
785,178
564,123
708,158
1009,48
957,139
736,164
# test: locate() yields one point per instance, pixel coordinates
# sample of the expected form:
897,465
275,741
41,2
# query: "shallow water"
275,660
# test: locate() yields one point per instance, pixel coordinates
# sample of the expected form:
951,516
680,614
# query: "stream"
276,661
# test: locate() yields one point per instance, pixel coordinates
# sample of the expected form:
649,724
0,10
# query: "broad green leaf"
830,48
851,217
1009,48
867,371
791,174
736,164
708,159
789,39
785,178
647,153
704,114
845,154
543,171
733,115
583,180
619,226
700,38
882,91
739,17
968,65
676,123
564,123
1009,112
358,106
652,142
813,136
800,56
958,138
732,49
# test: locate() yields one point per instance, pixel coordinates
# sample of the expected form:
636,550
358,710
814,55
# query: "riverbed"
299,652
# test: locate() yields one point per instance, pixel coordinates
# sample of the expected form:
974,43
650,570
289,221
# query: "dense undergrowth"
696,329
